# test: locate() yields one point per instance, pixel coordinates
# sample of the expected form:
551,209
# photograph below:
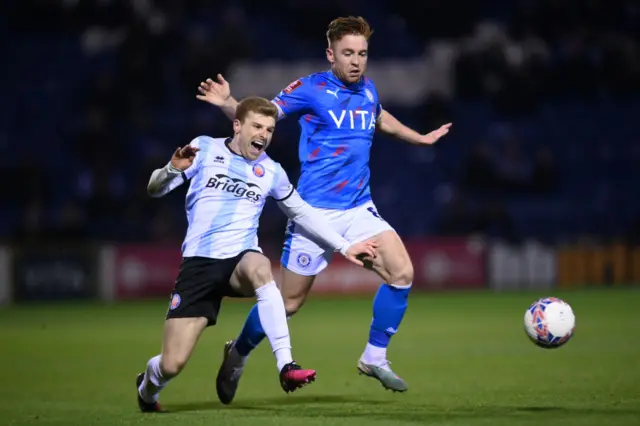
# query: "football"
549,322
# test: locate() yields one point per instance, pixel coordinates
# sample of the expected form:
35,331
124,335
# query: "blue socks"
251,334
389,307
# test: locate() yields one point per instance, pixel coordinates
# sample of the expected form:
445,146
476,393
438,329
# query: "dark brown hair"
256,105
343,26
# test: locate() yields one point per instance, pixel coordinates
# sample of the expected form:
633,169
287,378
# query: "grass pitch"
465,356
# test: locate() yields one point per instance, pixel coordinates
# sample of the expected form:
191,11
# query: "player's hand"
215,93
432,137
183,158
364,250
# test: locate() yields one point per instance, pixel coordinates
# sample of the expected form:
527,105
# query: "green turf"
465,356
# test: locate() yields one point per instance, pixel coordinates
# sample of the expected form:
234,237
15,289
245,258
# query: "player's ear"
330,56
236,126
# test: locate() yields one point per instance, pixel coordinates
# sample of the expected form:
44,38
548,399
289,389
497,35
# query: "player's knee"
292,305
261,273
402,273
171,366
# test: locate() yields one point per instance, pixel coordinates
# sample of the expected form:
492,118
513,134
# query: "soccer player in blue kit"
339,112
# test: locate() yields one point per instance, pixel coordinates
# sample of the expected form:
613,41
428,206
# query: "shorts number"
374,212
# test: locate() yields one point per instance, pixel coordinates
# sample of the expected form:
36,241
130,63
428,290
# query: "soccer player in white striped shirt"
230,180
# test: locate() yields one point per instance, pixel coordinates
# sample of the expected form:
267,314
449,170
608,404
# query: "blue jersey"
337,126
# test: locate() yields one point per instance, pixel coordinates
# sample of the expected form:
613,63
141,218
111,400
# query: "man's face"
348,57
254,134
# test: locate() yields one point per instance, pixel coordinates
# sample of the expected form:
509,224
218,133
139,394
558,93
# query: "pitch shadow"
273,404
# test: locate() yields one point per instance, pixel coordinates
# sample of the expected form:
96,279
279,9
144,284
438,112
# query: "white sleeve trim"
281,113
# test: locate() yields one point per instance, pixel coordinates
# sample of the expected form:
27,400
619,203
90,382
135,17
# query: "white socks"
374,355
273,319
153,381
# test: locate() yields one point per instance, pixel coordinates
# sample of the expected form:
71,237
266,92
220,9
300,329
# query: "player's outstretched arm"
169,177
319,229
390,125
218,94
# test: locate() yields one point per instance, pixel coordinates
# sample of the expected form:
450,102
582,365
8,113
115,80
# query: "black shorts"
201,285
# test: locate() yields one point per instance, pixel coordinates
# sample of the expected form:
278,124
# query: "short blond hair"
343,26
256,105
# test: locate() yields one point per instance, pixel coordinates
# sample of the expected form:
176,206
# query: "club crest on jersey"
304,260
292,86
258,170
369,94
175,301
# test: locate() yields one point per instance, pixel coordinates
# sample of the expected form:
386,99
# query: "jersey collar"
226,143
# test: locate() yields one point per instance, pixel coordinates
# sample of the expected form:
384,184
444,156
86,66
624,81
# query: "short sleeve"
282,188
293,98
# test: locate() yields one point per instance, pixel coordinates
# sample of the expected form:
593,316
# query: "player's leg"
294,289
394,267
179,338
192,308
253,275
301,261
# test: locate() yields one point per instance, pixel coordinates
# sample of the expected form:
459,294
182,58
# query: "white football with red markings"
549,322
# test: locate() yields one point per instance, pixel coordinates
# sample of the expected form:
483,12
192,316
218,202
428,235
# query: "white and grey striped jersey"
226,197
